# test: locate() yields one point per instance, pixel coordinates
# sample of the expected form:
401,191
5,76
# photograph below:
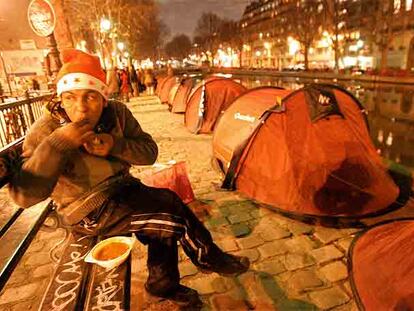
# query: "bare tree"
135,22
207,29
305,23
179,47
230,33
332,17
62,30
383,28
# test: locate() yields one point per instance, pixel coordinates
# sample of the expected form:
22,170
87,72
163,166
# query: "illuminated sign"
41,17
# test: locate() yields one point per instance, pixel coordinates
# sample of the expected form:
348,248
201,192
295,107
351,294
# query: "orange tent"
237,123
179,103
166,88
172,94
160,82
308,155
381,266
208,100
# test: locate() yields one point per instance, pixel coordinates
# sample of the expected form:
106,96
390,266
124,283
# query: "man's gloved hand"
99,144
75,134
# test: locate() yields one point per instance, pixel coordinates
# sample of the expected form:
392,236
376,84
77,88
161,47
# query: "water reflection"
390,112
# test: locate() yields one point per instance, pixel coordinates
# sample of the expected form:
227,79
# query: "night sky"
181,16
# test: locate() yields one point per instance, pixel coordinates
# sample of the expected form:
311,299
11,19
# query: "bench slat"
4,226
109,290
18,237
66,290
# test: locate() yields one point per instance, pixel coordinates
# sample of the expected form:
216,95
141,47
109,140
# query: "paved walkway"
294,266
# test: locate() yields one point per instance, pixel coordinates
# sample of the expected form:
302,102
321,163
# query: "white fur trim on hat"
81,81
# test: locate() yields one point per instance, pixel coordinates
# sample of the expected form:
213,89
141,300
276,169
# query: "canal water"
390,111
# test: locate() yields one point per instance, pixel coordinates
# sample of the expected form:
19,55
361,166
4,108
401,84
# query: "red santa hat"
81,70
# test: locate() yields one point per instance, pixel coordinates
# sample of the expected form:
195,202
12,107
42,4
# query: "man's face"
83,105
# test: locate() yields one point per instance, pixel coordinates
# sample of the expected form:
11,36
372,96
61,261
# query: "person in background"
134,81
80,154
112,80
125,85
149,81
141,84
35,85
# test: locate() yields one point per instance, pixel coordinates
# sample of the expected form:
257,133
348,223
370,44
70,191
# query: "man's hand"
76,133
99,144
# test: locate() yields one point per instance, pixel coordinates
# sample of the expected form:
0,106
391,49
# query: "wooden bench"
75,284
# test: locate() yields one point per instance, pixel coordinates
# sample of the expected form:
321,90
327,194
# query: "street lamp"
105,24
121,46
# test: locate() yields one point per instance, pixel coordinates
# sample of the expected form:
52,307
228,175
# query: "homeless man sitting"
79,153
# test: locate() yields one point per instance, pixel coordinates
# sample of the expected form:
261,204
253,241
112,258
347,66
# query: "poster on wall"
23,62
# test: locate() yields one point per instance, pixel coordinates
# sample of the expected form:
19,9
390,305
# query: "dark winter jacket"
51,168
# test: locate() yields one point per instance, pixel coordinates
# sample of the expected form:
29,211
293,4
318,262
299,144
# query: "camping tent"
160,82
237,123
173,93
381,266
207,101
308,155
179,103
166,87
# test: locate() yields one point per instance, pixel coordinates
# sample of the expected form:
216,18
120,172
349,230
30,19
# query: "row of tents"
202,100
308,154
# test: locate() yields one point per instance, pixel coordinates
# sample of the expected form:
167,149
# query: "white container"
111,263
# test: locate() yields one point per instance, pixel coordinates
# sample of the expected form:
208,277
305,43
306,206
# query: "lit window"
397,6
408,5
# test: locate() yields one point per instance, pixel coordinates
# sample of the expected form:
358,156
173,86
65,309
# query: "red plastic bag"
173,177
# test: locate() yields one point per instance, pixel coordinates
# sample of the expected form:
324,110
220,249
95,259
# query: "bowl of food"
111,252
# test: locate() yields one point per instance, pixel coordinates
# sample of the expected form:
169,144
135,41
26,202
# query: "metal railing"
17,117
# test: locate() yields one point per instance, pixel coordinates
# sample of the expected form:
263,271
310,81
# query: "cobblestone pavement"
294,266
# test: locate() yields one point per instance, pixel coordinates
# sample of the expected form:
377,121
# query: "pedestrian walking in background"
134,81
141,83
112,80
35,85
125,85
149,81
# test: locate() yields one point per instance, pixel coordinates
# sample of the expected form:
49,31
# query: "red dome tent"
166,88
179,103
173,93
160,82
309,156
237,123
381,267
207,101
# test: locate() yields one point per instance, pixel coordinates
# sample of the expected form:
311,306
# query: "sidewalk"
294,266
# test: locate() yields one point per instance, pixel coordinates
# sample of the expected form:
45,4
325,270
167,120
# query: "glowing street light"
294,46
121,46
105,24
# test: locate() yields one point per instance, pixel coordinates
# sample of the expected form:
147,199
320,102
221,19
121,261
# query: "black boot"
163,279
223,263
182,296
